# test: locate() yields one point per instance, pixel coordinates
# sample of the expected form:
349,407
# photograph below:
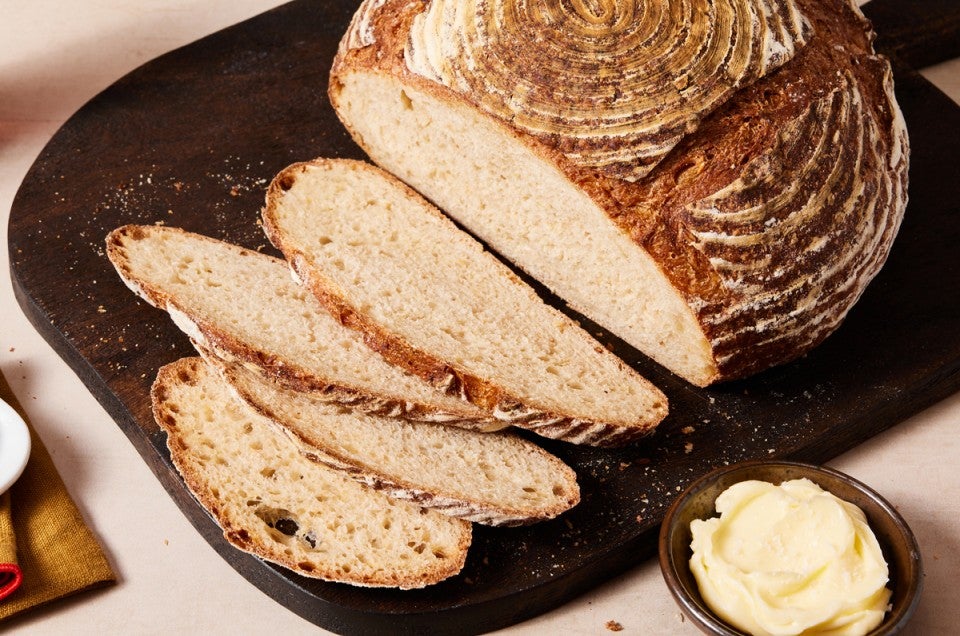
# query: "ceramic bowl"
14,446
897,542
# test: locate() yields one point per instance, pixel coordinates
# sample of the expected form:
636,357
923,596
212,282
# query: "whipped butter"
790,559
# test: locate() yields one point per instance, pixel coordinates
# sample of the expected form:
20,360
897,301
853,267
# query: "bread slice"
490,478
243,305
431,300
276,504
741,248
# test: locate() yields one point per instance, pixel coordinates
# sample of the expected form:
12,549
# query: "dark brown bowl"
897,542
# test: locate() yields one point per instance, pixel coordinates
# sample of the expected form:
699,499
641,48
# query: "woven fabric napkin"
43,536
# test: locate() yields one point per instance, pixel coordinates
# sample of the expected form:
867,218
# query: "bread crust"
754,319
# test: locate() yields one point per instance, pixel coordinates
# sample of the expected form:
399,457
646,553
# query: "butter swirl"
790,559
611,84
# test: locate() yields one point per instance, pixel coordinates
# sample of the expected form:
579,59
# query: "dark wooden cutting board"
191,140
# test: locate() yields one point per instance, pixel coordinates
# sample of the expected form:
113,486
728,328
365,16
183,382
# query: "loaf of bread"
273,502
244,306
430,299
490,478
714,182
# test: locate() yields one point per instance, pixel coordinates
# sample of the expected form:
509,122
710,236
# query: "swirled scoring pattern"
799,235
612,84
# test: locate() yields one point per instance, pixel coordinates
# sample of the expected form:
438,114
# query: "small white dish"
14,446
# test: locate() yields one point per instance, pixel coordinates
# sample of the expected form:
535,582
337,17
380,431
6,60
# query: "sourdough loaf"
244,306
491,478
430,299
646,161
274,503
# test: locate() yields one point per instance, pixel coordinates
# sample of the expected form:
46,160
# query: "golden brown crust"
770,298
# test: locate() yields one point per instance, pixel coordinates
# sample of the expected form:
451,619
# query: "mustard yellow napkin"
42,529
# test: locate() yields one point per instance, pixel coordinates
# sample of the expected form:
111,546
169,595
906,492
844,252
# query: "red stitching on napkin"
10,579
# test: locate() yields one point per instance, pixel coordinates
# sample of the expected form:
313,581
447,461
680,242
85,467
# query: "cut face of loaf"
490,478
430,299
274,503
741,248
244,306
526,208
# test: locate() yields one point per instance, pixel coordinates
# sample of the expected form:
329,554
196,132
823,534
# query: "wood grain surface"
192,138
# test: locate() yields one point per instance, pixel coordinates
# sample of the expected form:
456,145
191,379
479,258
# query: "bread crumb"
614,626
686,430
688,447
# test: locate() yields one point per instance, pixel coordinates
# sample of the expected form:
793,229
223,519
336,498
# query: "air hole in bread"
287,526
287,182
280,519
